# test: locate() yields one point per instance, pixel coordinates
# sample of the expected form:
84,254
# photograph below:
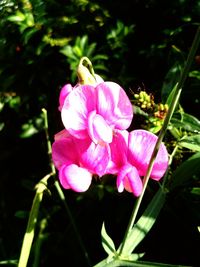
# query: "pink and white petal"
121,177
98,129
62,177
118,150
78,104
133,183
64,152
65,90
94,157
75,178
98,78
140,148
114,105
61,135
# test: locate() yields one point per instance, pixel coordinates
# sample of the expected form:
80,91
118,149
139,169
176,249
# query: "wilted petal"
98,129
114,105
65,90
78,104
75,178
140,148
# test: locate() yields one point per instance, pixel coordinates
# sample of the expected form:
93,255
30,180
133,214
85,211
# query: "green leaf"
186,171
18,17
90,50
132,257
99,57
186,122
9,262
77,51
123,263
191,142
30,32
195,191
171,78
195,74
107,242
145,223
139,111
83,42
171,95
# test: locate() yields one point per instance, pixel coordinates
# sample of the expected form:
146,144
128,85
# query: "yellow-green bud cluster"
144,101
161,110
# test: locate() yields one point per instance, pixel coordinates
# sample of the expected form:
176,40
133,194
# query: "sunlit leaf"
186,171
191,142
171,95
171,79
107,242
186,122
195,74
18,17
145,223
195,191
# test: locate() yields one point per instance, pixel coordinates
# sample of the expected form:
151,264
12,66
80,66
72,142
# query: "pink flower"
140,148
77,160
130,156
96,111
65,90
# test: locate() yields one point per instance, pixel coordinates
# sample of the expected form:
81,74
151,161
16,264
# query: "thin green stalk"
30,230
175,99
49,150
169,164
60,192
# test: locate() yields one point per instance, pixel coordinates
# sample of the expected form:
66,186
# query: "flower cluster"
95,140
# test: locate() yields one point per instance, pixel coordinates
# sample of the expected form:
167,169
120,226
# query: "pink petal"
118,150
62,177
65,90
114,105
122,176
74,177
62,134
140,148
98,129
78,104
129,179
134,183
98,78
64,150
94,157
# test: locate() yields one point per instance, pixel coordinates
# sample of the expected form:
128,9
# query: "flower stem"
60,192
175,99
30,230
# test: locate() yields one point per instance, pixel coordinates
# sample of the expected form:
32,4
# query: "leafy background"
142,45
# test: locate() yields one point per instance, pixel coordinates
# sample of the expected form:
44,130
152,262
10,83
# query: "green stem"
30,230
49,151
60,192
169,164
175,99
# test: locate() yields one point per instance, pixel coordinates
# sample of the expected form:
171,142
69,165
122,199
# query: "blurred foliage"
143,46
